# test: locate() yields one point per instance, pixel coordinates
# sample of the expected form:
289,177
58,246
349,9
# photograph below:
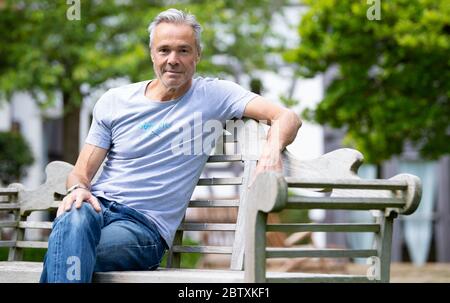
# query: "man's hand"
270,160
78,196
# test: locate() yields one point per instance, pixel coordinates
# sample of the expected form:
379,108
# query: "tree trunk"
71,122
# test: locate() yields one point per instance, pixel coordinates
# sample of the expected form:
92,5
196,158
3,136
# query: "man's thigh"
128,245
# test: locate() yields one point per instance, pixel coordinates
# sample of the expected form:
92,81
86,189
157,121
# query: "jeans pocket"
151,255
129,257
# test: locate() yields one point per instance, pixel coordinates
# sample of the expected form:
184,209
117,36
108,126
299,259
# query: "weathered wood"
315,278
202,249
15,253
220,181
346,184
35,225
8,191
20,272
4,243
334,173
9,224
319,253
173,257
339,164
9,206
298,202
382,243
237,257
321,227
43,197
268,193
224,158
214,203
172,275
31,244
207,226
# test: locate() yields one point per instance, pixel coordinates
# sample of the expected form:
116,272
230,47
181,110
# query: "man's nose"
172,58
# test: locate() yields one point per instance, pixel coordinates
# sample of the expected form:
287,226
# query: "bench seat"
29,272
331,182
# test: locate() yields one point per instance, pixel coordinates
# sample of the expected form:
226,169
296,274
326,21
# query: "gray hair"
173,15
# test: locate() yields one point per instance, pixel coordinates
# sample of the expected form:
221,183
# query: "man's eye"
163,50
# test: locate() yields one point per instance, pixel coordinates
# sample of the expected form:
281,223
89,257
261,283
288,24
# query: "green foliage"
392,79
15,156
188,260
42,52
29,254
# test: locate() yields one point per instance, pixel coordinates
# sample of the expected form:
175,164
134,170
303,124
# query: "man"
128,217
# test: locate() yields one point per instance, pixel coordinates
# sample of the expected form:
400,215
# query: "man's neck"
156,90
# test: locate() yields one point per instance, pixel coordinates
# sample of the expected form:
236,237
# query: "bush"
15,156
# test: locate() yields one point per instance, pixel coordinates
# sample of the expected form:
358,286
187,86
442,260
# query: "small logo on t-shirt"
155,128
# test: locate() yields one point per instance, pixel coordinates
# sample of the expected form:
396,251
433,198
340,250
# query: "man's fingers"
79,201
68,203
94,202
61,207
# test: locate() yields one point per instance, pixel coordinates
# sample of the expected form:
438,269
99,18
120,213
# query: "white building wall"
5,116
25,111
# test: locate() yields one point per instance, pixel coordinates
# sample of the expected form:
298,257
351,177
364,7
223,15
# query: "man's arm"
284,127
88,162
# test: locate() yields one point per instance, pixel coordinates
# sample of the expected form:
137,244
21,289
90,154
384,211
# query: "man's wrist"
77,186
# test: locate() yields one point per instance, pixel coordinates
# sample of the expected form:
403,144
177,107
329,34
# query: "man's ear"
151,54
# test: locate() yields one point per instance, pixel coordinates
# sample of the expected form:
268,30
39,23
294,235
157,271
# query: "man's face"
174,54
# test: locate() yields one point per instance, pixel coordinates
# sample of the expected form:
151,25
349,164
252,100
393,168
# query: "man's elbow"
296,121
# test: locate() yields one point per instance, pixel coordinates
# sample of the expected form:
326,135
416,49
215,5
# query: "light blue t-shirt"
156,150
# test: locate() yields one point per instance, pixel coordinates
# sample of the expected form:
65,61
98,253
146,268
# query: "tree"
15,156
391,80
45,53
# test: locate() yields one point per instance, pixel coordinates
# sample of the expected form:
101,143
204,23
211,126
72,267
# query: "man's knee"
81,217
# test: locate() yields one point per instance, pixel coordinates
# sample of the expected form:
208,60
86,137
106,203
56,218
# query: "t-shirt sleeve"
100,131
234,98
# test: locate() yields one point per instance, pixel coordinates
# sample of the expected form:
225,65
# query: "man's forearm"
74,178
283,131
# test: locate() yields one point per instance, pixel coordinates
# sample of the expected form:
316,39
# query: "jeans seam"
56,253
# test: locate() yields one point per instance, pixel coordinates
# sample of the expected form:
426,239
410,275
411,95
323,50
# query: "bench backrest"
334,173
240,143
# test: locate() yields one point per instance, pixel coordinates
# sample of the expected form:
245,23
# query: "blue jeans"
84,241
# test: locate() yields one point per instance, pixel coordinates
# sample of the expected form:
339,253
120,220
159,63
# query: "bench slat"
9,206
347,183
322,227
214,203
9,224
8,191
318,278
7,243
319,253
31,244
203,249
207,226
43,225
220,181
224,158
359,203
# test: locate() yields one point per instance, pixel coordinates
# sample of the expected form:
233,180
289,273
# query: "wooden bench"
333,174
